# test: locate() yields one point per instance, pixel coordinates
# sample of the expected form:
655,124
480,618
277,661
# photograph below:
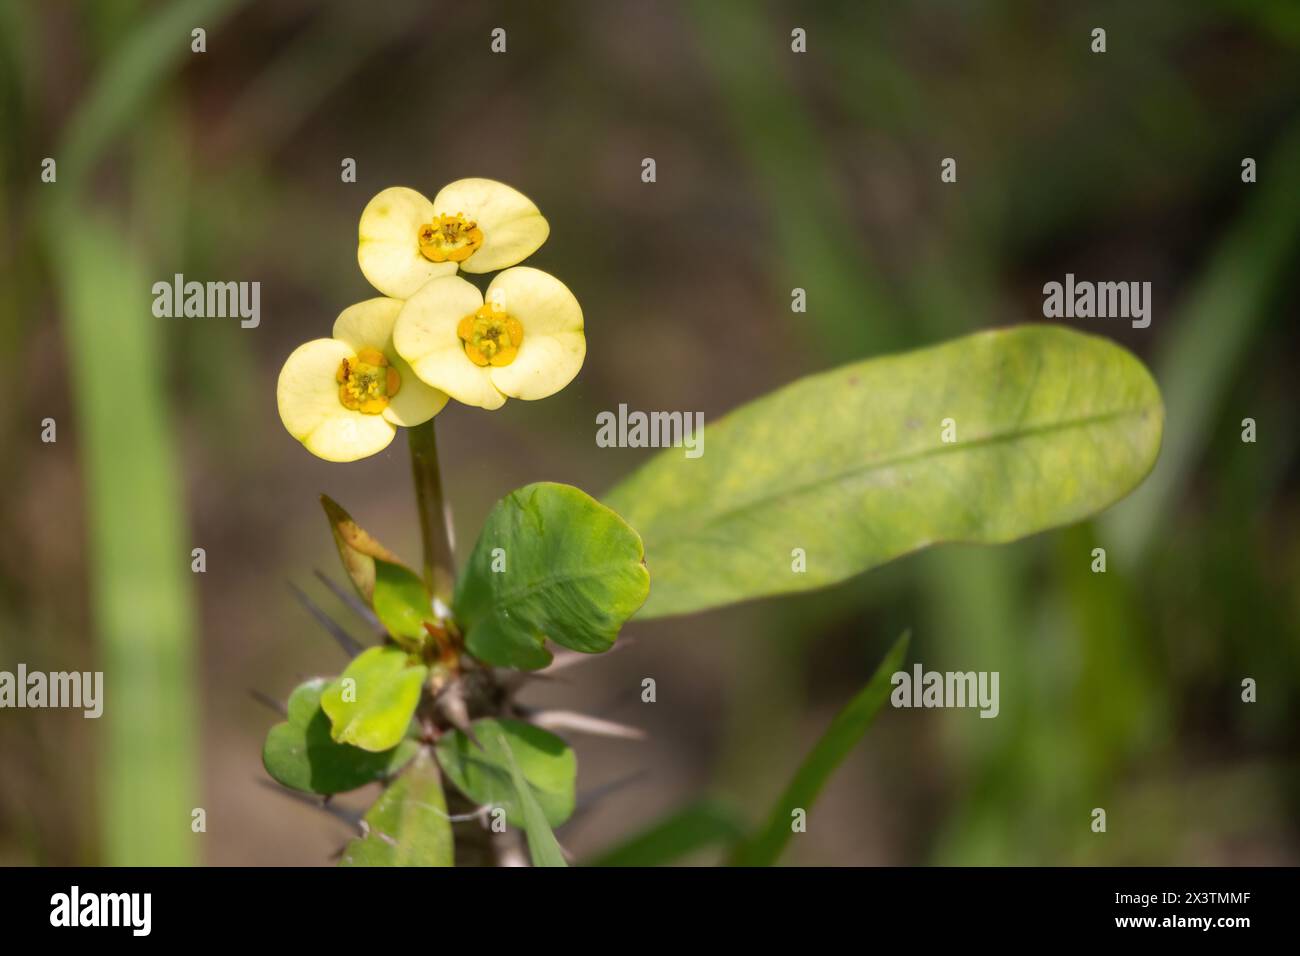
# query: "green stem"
435,518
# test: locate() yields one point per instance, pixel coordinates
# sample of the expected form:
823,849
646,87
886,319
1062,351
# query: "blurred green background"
775,170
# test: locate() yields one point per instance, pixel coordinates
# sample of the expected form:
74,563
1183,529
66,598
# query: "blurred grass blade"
984,439
147,55
1208,341
139,555
841,736
688,830
813,241
543,848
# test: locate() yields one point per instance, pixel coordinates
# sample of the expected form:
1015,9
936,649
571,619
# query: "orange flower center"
450,238
367,382
491,336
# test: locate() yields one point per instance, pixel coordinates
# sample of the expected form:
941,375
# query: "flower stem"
435,517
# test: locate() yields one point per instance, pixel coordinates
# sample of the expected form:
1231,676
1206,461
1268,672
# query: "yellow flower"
479,225
525,341
344,397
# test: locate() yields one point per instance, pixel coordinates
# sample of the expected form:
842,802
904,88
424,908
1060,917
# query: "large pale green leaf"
850,465
829,752
408,825
567,568
374,711
484,774
543,848
300,753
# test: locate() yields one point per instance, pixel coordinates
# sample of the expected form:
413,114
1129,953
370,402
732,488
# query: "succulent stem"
435,518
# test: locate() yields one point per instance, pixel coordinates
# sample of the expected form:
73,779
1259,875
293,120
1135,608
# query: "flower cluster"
395,359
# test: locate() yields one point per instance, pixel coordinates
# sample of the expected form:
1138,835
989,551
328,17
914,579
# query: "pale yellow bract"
385,393
527,343
476,225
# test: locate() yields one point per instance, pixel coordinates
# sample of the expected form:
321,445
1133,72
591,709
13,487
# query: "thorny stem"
435,518
474,844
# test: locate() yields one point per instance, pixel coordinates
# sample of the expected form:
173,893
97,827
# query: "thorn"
480,815
351,600
267,700
512,681
620,700
451,704
512,855
586,801
589,798
351,817
582,724
344,639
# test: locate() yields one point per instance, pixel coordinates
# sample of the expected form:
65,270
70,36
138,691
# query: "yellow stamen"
450,238
491,336
367,382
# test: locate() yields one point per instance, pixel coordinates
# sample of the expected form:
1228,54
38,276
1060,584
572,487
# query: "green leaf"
357,549
840,737
685,831
402,603
300,753
850,465
573,571
543,848
374,711
484,775
408,825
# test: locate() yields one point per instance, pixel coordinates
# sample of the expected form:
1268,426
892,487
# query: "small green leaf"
840,472
371,703
688,830
566,567
543,848
840,737
402,603
408,825
484,775
300,753
357,549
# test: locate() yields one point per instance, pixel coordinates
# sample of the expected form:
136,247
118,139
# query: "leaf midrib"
718,517
557,577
